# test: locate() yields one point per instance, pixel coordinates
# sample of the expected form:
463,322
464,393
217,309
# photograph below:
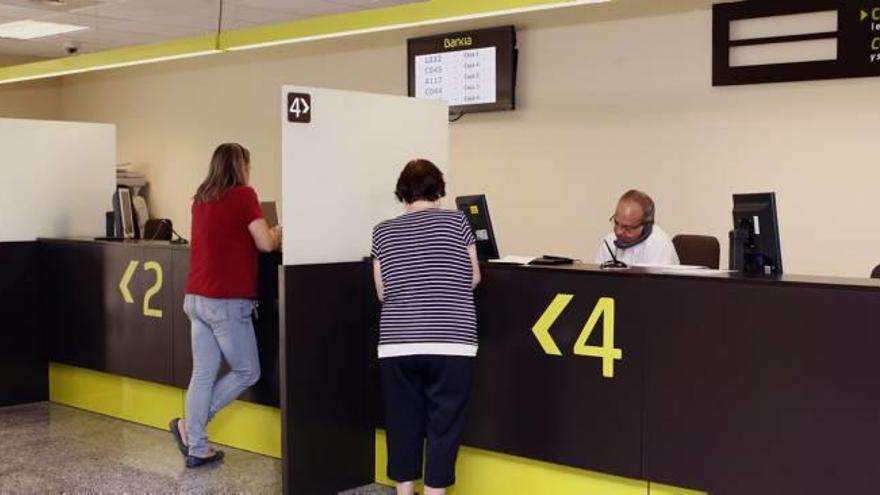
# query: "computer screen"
472,71
477,212
754,240
125,212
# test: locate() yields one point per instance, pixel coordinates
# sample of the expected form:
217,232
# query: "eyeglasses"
626,228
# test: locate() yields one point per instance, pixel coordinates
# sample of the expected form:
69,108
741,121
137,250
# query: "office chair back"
157,229
702,250
875,273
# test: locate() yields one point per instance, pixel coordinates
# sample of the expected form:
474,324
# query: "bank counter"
117,307
22,355
711,381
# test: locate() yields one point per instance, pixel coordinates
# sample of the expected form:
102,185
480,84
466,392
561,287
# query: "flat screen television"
473,71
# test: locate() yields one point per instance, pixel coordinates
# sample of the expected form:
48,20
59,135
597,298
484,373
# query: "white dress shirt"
657,249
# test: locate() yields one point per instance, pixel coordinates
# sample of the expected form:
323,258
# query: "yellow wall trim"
242,425
400,16
389,18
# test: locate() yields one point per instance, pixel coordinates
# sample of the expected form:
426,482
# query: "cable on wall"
219,26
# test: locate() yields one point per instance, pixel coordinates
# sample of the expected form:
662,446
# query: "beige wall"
604,105
32,99
630,104
170,116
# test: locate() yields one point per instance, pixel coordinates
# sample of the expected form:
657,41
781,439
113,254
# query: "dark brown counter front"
22,345
117,307
718,382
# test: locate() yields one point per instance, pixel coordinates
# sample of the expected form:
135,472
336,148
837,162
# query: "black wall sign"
857,37
473,71
299,108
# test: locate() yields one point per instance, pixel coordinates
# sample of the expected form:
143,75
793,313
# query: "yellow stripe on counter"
243,425
257,428
248,426
479,472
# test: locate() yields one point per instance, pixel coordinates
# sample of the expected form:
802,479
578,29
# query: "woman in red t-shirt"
228,229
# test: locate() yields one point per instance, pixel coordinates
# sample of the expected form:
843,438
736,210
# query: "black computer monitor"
126,213
477,212
754,240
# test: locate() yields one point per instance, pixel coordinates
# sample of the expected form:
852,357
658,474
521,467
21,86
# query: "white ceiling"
120,23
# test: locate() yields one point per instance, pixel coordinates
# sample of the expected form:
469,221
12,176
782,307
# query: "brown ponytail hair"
229,168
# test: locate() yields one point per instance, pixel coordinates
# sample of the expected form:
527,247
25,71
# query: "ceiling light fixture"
28,30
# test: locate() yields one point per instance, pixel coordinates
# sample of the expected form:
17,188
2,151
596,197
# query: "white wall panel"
339,171
59,178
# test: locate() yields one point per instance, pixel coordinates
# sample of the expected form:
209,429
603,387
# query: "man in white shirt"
636,240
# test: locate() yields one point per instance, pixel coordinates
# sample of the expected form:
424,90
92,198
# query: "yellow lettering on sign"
541,328
875,13
875,44
607,352
152,291
475,210
449,43
126,279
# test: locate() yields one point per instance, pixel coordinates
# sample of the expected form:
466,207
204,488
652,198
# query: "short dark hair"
420,180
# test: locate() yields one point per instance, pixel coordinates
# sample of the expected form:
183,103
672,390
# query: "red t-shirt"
223,257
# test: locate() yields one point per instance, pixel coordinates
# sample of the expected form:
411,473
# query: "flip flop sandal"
193,461
175,430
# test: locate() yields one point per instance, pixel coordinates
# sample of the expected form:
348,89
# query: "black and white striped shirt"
427,275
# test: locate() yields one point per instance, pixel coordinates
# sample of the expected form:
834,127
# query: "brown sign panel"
855,37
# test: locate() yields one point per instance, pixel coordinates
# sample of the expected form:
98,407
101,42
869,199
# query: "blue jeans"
221,329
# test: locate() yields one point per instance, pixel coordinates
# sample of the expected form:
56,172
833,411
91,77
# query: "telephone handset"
646,232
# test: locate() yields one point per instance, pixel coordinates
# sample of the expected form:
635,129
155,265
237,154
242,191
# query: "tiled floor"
370,490
48,448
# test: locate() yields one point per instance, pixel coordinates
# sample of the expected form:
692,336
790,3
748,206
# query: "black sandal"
175,430
193,461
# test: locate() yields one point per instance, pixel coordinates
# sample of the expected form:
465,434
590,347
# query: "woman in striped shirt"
425,268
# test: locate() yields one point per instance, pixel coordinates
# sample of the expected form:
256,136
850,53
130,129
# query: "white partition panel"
58,178
340,168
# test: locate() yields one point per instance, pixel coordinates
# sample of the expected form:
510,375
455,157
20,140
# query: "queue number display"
464,77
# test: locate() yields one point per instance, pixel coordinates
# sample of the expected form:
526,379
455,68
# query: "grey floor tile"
48,448
373,489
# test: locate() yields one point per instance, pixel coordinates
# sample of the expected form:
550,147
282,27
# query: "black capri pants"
425,398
